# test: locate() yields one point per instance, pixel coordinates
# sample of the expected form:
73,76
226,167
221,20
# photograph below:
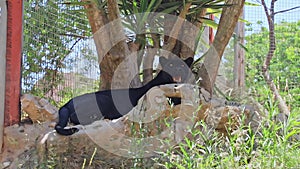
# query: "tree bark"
229,17
118,66
189,37
97,20
175,29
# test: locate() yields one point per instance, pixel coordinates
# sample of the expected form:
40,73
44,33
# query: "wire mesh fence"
59,58
285,64
58,54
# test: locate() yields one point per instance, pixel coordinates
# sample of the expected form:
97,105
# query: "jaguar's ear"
189,61
163,61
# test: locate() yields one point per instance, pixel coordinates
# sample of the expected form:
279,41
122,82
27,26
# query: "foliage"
51,30
144,7
171,7
286,59
274,146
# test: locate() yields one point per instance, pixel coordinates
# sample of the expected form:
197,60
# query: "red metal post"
211,30
13,62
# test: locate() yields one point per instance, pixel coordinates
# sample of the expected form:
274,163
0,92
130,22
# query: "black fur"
112,104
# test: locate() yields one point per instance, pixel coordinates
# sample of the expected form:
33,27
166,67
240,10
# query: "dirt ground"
19,139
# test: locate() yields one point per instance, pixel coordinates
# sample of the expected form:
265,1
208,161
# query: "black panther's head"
177,70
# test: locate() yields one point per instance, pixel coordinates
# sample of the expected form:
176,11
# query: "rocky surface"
38,109
19,139
107,144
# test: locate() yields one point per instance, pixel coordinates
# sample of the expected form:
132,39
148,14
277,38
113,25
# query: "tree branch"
272,47
287,10
270,17
74,44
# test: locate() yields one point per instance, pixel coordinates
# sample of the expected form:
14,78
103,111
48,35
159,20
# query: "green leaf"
210,23
251,4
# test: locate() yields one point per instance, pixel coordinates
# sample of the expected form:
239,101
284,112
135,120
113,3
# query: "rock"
152,126
38,109
125,137
6,164
224,116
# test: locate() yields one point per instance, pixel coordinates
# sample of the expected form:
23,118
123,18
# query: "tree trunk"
239,58
117,67
189,36
148,64
208,71
172,30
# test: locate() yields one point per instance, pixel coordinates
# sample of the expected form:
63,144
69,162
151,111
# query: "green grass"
274,145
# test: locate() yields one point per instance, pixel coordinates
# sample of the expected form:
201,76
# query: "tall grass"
274,145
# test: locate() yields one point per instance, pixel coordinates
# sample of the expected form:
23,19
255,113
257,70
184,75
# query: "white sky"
256,13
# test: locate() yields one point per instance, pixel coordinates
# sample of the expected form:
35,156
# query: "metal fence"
255,15
59,59
285,65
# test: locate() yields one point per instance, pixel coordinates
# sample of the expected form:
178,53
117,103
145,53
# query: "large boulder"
38,109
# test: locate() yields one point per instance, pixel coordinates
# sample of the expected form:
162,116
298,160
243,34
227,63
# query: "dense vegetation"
285,65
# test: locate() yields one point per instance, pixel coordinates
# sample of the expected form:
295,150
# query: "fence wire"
59,58
285,65
59,61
